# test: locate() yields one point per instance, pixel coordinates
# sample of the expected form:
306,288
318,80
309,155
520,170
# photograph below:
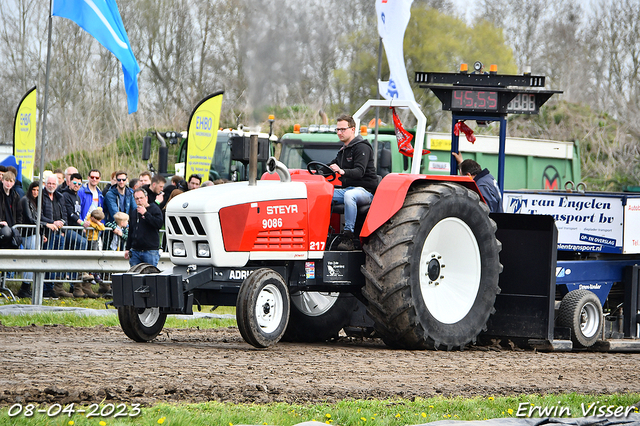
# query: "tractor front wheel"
262,309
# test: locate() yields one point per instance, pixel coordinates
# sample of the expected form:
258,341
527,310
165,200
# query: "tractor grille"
283,239
185,225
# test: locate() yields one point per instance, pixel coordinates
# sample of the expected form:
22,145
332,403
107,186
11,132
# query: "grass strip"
346,413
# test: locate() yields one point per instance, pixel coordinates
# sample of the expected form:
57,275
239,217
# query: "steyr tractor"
427,272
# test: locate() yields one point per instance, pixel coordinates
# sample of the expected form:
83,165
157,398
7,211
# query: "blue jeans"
152,257
55,242
352,197
73,240
28,243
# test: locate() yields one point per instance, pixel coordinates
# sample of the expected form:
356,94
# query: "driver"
359,180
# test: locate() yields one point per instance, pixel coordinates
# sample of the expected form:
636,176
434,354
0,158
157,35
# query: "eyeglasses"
122,180
76,183
342,129
94,177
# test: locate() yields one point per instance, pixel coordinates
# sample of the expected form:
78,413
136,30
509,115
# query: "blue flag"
102,20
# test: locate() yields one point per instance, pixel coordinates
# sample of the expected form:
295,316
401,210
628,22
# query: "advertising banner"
24,133
393,18
202,136
585,222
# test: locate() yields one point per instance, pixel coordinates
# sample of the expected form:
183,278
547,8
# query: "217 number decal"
316,245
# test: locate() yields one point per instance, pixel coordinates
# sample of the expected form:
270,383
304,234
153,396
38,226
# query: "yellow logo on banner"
24,135
202,136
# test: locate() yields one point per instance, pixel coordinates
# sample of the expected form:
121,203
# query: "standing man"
54,215
67,177
194,182
486,182
74,240
354,163
119,197
90,195
154,190
144,178
145,222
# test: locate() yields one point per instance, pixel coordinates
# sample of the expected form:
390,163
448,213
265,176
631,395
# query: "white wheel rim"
149,316
455,253
589,320
269,308
314,303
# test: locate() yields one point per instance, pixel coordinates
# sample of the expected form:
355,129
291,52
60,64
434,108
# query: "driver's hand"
336,168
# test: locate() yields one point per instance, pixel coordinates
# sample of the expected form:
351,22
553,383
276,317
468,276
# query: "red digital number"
457,96
482,98
493,100
468,99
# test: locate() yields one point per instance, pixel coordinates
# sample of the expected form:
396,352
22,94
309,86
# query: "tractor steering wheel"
318,168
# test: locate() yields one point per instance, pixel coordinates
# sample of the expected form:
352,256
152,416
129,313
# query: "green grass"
72,319
345,413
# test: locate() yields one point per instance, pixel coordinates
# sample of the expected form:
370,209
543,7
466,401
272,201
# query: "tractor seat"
339,209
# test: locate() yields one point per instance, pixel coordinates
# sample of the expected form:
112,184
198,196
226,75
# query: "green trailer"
530,163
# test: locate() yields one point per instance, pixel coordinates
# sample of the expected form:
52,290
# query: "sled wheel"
141,325
432,270
262,309
581,311
317,316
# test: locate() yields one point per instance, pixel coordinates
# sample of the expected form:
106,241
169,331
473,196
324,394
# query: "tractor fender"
392,190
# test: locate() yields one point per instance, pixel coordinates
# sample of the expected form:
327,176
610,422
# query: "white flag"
393,18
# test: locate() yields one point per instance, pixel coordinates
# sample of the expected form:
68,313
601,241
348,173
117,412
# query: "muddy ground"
86,365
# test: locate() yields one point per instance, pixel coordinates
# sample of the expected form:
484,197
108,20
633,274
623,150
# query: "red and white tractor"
427,272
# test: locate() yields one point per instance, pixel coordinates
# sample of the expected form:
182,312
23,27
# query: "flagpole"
37,296
375,137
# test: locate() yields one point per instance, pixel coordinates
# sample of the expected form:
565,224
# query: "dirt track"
86,365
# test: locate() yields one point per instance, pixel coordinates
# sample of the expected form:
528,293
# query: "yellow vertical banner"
202,136
24,133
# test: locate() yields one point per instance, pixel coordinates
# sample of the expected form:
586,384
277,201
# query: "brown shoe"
59,291
105,290
77,291
86,288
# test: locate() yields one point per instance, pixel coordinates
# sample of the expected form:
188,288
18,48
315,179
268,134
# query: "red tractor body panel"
392,191
280,225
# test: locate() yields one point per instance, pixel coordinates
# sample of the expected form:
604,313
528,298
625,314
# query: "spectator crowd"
124,215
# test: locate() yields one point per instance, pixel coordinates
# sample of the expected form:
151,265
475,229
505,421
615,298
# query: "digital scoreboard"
488,94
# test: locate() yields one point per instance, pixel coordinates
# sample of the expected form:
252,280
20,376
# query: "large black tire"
581,311
141,325
262,308
318,317
432,270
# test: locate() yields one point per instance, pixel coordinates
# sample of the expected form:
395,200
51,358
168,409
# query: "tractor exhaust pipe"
275,166
253,160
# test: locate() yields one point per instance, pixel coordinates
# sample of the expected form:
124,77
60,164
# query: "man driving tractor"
354,162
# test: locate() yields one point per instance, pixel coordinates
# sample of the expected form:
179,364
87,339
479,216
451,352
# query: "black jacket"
10,207
53,210
73,205
144,230
29,211
356,159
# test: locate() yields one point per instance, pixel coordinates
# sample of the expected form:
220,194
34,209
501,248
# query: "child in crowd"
95,226
120,227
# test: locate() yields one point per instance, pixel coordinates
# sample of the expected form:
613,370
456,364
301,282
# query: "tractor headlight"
179,249
203,250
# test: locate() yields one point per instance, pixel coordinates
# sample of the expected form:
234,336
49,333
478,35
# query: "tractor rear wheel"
262,309
581,311
141,325
317,316
432,270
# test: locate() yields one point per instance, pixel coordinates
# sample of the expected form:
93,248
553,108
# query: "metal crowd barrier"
63,258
